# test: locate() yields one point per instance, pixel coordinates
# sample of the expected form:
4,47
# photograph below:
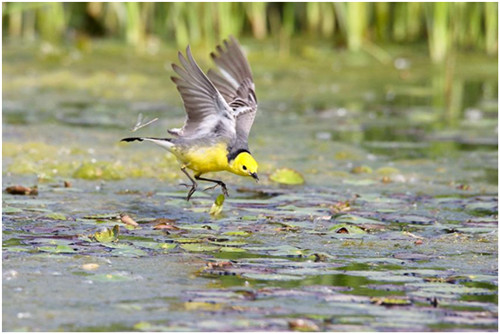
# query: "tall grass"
445,27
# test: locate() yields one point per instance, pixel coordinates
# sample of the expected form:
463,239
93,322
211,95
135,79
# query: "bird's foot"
224,189
191,191
222,185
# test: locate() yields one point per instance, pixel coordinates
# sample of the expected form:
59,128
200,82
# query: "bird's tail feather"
163,142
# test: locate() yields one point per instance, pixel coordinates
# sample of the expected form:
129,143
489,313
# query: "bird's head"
244,164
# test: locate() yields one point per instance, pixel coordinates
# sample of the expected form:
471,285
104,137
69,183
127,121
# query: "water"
403,156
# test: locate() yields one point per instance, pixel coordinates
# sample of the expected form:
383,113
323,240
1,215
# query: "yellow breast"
205,159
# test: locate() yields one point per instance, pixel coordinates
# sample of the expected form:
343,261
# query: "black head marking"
233,155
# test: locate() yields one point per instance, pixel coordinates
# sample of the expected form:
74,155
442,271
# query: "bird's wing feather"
207,111
235,83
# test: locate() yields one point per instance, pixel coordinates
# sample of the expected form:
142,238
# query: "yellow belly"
205,159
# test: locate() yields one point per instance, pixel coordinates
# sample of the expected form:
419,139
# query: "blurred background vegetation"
443,27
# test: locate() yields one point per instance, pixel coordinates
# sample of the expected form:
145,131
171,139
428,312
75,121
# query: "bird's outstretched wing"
207,111
234,81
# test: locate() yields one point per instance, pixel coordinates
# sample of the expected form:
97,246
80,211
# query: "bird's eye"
244,167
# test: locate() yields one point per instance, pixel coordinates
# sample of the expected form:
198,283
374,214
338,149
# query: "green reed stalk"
491,20
357,19
289,18
459,24
414,19
399,22
441,25
313,16
15,19
382,21
51,21
257,15
327,19
180,24
437,28
133,27
475,30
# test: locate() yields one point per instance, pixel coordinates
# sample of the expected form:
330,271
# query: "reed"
437,26
445,26
491,23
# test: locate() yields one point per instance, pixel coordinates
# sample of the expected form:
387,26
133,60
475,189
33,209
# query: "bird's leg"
218,183
194,185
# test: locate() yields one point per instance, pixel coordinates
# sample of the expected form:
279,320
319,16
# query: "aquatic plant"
444,26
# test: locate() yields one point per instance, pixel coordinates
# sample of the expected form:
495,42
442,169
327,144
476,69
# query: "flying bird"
220,108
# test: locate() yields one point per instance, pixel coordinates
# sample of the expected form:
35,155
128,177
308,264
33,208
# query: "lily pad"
56,216
287,176
197,247
10,209
483,207
347,229
238,233
107,235
216,208
271,277
57,249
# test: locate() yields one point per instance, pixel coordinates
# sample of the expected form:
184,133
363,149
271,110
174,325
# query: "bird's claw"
210,188
191,191
223,187
224,190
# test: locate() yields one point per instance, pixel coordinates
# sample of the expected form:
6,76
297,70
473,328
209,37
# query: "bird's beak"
255,176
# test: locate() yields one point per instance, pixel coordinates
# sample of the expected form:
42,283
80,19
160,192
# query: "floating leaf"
10,209
143,326
361,170
199,247
363,182
128,250
356,220
483,207
271,277
15,249
188,240
287,176
107,235
386,171
229,243
56,216
232,250
168,246
347,229
154,245
200,227
390,301
57,249
107,216
192,306
238,233
217,206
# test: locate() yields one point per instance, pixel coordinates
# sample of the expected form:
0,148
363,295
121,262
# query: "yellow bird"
220,112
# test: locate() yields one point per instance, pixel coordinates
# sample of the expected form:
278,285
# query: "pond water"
395,227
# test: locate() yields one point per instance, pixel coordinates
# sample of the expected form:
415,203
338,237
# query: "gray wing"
234,81
207,111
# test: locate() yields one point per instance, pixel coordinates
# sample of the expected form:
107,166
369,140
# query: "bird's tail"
163,142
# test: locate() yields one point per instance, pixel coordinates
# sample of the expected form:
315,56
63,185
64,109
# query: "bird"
220,110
